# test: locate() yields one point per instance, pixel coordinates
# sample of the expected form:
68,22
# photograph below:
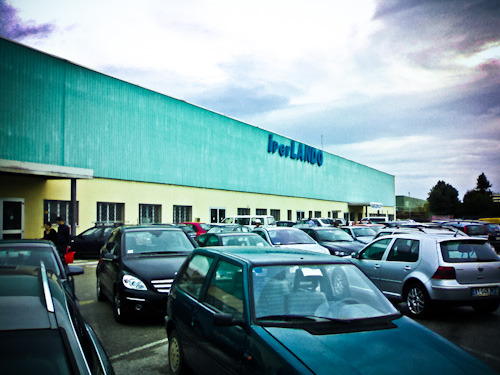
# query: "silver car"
293,238
423,269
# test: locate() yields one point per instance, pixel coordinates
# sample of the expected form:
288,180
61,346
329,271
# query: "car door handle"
407,268
376,266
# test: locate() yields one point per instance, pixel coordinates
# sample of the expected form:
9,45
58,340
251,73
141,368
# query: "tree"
478,202
483,185
443,199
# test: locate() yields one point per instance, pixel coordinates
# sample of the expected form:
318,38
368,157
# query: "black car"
32,253
88,243
41,328
137,266
493,231
231,239
335,240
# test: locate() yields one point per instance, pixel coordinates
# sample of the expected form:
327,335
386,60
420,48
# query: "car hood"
154,267
349,246
409,349
307,246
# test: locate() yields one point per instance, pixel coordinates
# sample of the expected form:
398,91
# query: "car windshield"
156,241
29,256
244,240
463,251
335,291
363,232
289,237
331,235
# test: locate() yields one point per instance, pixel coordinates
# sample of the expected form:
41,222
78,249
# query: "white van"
249,220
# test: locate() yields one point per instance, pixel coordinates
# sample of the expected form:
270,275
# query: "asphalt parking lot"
141,346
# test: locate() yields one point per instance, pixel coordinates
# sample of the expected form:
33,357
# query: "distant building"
410,208
88,147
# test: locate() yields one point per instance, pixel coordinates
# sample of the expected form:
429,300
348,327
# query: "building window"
217,215
317,213
276,214
149,213
53,209
110,212
243,211
261,211
182,214
289,214
300,215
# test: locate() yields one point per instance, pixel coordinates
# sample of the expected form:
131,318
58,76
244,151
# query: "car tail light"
445,273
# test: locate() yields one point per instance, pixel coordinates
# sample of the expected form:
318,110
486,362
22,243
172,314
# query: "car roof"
34,243
254,255
234,234
151,227
434,236
23,300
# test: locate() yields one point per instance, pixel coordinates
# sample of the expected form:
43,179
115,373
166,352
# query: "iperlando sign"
296,151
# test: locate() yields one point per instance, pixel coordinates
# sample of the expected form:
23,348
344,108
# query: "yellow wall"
35,189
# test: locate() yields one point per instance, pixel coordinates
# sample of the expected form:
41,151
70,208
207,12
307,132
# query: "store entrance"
12,218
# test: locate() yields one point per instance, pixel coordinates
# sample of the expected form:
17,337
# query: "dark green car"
280,311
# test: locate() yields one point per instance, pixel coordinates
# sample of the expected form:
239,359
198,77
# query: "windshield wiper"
288,317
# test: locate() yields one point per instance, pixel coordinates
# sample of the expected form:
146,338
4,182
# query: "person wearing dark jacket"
49,233
63,237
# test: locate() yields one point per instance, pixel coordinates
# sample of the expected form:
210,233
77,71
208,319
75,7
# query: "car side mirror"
109,246
109,256
356,255
226,320
75,270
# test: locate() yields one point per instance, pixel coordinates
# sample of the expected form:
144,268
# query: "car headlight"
132,282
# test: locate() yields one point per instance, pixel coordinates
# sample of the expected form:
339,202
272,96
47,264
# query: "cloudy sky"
411,88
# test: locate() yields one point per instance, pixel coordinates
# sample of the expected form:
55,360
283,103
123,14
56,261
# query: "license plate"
481,292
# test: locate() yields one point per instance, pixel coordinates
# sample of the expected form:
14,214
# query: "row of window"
151,213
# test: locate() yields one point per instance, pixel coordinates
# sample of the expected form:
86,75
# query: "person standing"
63,237
49,233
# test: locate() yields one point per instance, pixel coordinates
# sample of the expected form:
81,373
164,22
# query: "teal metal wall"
56,112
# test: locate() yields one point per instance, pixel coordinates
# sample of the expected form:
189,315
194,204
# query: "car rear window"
39,351
475,230
468,251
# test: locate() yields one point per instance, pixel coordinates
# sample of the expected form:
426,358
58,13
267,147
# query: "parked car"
187,229
285,237
41,328
412,229
284,223
250,220
32,253
88,243
282,311
218,228
137,266
374,220
424,269
360,233
199,228
337,241
470,228
232,239
493,231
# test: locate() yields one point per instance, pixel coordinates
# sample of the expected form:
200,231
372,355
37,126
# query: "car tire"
486,307
176,363
100,295
120,313
417,300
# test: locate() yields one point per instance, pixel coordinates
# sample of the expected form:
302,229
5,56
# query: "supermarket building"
76,140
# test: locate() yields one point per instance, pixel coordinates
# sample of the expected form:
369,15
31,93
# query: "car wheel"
339,284
121,314
486,307
176,362
100,295
417,300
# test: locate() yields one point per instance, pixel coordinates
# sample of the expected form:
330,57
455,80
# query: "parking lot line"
147,346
